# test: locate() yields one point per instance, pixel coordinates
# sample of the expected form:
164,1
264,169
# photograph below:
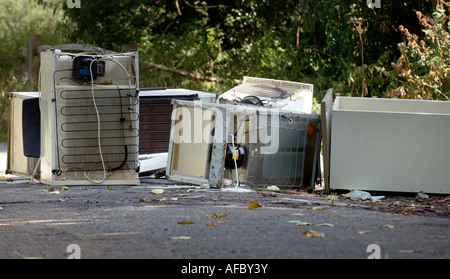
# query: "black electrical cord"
124,159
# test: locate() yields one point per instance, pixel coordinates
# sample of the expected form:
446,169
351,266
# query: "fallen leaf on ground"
406,213
254,205
210,225
365,232
299,214
386,226
51,189
304,224
185,222
158,191
325,225
143,199
180,237
313,234
108,188
319,207
54,193
219,216
25,257
410,251
64,188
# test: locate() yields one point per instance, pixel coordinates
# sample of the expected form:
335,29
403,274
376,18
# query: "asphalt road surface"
38,221
162,220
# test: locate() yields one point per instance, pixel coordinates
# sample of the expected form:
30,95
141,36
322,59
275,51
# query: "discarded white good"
377,143
152,162
362,195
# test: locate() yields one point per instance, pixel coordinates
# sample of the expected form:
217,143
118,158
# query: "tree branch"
184,73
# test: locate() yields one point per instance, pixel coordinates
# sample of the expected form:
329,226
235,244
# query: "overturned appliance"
286,95
88,111
250,145
21,159
155,110
398,145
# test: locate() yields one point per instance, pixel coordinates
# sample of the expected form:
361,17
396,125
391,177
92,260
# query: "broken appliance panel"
268,146
155,110
286,161
89,118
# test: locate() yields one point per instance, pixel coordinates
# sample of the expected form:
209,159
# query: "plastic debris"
362,195
237,190
421,196
273,188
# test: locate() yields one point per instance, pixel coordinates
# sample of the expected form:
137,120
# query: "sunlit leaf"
210,225
108,188
64,188
319,207
365,232
314,234
158,191
219,216
325,225
254,205
406,213
180,237
387,226
185,222
304,224
411,251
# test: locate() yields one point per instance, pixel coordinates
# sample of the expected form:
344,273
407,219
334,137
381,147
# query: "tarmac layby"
161,220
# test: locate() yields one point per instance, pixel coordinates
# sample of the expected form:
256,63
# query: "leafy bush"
18,20
424,65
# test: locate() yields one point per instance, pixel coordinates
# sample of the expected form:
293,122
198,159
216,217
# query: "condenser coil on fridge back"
89,118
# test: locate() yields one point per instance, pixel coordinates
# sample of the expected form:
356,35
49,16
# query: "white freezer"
390,145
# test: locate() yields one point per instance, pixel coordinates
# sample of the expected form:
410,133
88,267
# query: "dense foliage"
343,44
309,41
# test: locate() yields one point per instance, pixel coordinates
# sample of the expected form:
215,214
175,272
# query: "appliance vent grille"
77,129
